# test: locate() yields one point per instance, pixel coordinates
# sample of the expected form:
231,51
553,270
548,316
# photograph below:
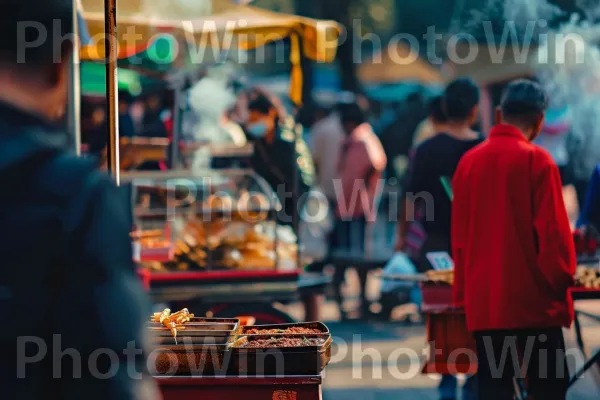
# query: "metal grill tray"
286,361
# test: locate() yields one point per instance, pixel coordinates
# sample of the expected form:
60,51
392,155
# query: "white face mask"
258,130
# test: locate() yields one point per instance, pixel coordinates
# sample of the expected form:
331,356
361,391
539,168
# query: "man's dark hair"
523,102
351,112
459,99
436,110
32,32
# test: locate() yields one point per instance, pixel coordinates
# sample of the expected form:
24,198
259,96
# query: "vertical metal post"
112,97
75,90
177,119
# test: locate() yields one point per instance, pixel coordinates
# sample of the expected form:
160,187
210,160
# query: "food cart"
289,382
222,359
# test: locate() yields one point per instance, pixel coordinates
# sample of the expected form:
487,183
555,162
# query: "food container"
280,361
194,360
321,327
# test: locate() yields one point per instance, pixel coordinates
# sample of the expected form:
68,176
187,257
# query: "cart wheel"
264,313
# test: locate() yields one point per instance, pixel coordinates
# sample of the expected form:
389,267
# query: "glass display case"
209,220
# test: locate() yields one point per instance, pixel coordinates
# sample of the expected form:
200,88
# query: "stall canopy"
398,63
212,23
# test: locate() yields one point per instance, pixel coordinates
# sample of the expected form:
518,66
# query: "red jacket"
511,238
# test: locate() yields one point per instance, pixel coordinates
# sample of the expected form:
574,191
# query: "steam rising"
210,98
572,81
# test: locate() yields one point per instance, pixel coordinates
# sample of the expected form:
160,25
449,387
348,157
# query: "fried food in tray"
295,330
587,277
279,342
173,322
445,276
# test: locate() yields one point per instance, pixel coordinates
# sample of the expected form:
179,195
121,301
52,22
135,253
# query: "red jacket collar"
507,130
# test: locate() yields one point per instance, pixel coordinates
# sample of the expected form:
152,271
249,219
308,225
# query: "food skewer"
173,322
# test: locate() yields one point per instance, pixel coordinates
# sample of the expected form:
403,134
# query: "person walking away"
326,138
514,253
280,156
434,160
361,164
68,279
433,124
411,234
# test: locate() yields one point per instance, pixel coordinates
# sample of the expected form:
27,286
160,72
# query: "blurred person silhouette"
326,138
67,269
397,137
509,219
434,123
434,160
280,156
153,125
126,124
360,166
415,233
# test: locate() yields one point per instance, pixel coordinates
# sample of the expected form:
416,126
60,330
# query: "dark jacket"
67,279
286,165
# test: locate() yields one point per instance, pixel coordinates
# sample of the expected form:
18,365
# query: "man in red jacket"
514,253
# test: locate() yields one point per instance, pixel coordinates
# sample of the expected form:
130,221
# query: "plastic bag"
399,264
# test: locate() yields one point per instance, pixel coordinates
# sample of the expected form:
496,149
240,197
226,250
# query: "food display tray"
286,361
194,327
198,332
191,360
309,325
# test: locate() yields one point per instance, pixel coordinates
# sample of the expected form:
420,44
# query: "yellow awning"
140,21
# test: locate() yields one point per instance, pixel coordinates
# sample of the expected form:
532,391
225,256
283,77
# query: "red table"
236,388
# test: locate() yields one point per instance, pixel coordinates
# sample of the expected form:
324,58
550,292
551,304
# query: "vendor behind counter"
280,156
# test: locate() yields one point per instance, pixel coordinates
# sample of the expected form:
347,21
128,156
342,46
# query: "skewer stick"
112,98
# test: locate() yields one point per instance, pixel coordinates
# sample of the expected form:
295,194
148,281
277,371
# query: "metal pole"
177,117
112,97
75,92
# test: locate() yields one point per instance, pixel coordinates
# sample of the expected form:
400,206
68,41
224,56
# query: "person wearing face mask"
513,251
67,262
280,156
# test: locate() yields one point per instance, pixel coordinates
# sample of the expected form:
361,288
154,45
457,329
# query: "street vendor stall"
228,255
202,357
223,359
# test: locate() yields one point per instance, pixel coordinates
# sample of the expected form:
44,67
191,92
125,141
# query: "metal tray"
210,321
195,340
192,327
194,360
310,325
305,360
